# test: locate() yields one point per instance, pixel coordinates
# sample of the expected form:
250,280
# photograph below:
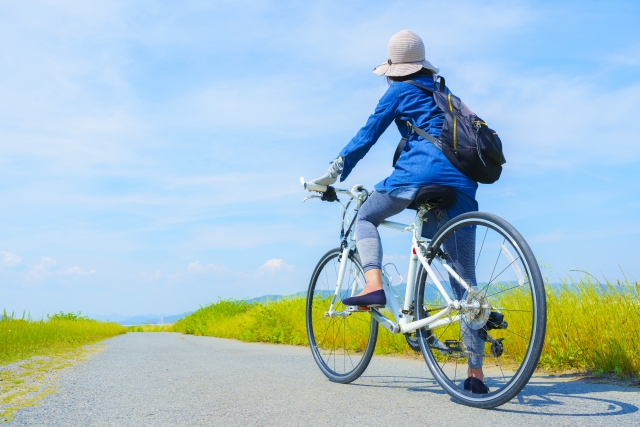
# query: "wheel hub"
476,310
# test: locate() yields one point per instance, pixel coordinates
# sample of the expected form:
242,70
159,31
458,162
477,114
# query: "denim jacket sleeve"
378,122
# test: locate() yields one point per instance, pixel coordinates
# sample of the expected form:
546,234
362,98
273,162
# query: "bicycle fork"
341,273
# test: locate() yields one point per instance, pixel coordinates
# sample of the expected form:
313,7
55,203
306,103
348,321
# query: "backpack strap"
420,85
399,149
413,129
432,139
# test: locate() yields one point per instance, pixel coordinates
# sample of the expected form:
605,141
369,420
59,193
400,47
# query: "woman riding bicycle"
420,164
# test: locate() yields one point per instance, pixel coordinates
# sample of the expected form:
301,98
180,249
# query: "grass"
594,327
590,327
26,383
23,338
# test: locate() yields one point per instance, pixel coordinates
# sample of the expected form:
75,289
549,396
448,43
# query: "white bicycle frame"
402,322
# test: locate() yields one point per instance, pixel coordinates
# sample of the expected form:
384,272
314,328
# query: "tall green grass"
594,327
590,327
23,338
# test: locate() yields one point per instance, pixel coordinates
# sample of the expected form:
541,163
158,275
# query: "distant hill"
146,319
270,298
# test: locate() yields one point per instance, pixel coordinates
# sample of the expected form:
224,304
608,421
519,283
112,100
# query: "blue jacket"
420,163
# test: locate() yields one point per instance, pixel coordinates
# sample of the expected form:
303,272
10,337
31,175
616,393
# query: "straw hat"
406,56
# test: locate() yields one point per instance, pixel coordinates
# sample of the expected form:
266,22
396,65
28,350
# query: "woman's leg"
461,250
377,208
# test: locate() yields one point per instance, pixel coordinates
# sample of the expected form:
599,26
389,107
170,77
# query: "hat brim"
399,70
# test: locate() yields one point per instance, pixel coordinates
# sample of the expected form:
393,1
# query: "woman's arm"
378,122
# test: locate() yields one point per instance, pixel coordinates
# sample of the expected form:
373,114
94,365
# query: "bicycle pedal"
454,348
436,344
358,309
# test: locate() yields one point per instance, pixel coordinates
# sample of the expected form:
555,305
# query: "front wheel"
342,343
504,333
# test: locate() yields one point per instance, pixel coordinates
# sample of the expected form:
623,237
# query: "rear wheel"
505,331
342,343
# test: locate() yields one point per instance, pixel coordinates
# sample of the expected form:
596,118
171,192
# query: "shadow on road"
542,396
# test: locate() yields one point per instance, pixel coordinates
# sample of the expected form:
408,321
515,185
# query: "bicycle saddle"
436,195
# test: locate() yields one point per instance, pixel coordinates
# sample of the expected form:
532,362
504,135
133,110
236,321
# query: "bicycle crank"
455,349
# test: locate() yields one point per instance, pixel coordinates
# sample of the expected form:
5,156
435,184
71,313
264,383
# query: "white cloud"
48,262
627,57
151,277
9,259
196,267
557,122
43,269
273,265
80,271
269,268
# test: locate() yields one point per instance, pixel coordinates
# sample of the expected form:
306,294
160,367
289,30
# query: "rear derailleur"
495,321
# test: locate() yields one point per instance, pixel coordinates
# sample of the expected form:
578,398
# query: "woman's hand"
332,174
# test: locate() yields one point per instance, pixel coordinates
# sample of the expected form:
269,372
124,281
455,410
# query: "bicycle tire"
519,296
326,344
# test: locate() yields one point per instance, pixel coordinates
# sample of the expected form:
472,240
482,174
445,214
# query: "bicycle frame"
402,316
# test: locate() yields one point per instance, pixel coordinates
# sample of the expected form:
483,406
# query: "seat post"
421,218
413,264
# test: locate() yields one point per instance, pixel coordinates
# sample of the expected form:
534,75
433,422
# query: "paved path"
164,379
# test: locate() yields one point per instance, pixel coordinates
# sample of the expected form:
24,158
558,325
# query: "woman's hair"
422,72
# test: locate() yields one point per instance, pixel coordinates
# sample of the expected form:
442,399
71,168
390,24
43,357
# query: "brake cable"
344,236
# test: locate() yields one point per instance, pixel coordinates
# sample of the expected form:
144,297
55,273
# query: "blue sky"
150,151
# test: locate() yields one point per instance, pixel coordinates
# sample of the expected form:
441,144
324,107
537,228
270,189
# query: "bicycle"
503,299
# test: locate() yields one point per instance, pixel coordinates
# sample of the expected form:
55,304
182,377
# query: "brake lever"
330,195
311,197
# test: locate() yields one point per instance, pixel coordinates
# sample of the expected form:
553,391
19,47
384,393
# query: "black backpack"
466,140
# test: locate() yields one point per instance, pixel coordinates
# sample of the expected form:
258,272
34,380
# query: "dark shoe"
474,385
374,299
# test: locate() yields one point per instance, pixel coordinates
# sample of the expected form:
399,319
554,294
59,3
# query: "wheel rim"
339,342
503,280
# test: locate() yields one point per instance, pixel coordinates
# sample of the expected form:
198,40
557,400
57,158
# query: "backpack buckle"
410,127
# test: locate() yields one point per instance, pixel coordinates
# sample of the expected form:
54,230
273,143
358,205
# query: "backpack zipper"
478,125
455,127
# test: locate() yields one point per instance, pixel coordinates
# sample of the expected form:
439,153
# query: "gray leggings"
461,250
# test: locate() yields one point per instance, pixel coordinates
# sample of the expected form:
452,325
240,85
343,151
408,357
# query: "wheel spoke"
497,259
492,278
486,230
338,336
504,290
518,335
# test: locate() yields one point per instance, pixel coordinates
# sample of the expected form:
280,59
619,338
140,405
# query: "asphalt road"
165,379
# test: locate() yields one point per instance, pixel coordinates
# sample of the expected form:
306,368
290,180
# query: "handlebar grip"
312,187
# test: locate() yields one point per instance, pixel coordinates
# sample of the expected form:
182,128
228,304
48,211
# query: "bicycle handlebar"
310,186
